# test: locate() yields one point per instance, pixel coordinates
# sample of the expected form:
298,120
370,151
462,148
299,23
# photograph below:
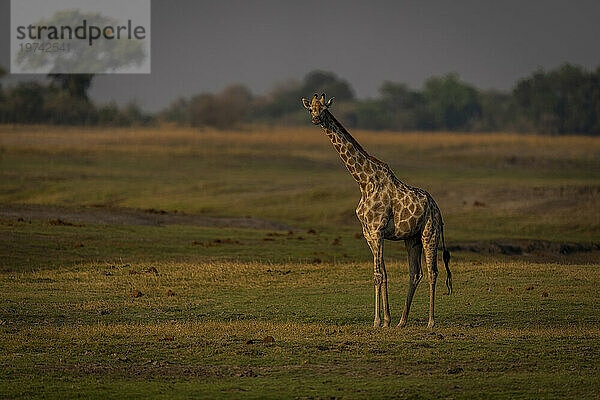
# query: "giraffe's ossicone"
388,209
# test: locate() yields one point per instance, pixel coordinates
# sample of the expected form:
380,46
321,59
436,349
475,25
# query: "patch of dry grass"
171,139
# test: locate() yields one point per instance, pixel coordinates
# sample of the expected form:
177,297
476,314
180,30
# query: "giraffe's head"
317,106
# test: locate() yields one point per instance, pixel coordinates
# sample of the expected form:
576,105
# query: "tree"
2,73
404,107
24,103
177,111
60,108
451,104
76,85
236,100
2,111
595,101
497,111
327,82
281,100
559,101
223,110
281,103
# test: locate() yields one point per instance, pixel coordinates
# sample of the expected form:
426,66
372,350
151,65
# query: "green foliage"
562,101
61,108
283,100
281,104
404,108
497,112
565,100
450,103
76,85
327,82
63,102
22,104
2,73
223,110
236,104
366,114
109,114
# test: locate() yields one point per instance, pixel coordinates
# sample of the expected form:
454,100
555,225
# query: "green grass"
76,330
516,326
37,245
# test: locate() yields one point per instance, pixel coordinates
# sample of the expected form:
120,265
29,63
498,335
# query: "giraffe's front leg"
377,279
384,300
375,242
384,291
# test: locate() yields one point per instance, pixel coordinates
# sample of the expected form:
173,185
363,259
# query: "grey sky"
204,46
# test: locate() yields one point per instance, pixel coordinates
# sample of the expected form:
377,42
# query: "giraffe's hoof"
401,324
431,324
386,324
377,323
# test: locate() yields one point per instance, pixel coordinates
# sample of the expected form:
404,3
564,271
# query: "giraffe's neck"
358,162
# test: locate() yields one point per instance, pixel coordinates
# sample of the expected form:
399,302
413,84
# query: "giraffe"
388,209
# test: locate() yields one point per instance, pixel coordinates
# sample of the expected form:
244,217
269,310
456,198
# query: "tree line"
559,101
63,101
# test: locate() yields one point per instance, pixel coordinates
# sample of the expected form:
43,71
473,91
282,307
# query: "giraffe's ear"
306,103
329,102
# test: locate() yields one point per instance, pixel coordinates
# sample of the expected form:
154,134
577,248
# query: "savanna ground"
179,263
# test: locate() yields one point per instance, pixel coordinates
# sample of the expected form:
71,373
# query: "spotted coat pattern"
388,209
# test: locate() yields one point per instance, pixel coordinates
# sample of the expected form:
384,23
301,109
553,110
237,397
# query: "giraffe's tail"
446,258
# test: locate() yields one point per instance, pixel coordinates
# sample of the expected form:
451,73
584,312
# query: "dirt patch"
524,246
151,369
215,242
75,216
56,222
542,250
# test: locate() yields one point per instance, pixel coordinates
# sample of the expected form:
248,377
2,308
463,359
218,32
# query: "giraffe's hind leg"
414,248
431,238
384,289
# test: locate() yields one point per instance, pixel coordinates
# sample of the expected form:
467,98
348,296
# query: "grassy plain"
276,299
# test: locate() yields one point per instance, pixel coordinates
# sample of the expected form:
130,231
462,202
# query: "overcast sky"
206,45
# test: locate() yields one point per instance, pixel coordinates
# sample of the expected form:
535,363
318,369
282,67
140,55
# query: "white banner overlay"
80,36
